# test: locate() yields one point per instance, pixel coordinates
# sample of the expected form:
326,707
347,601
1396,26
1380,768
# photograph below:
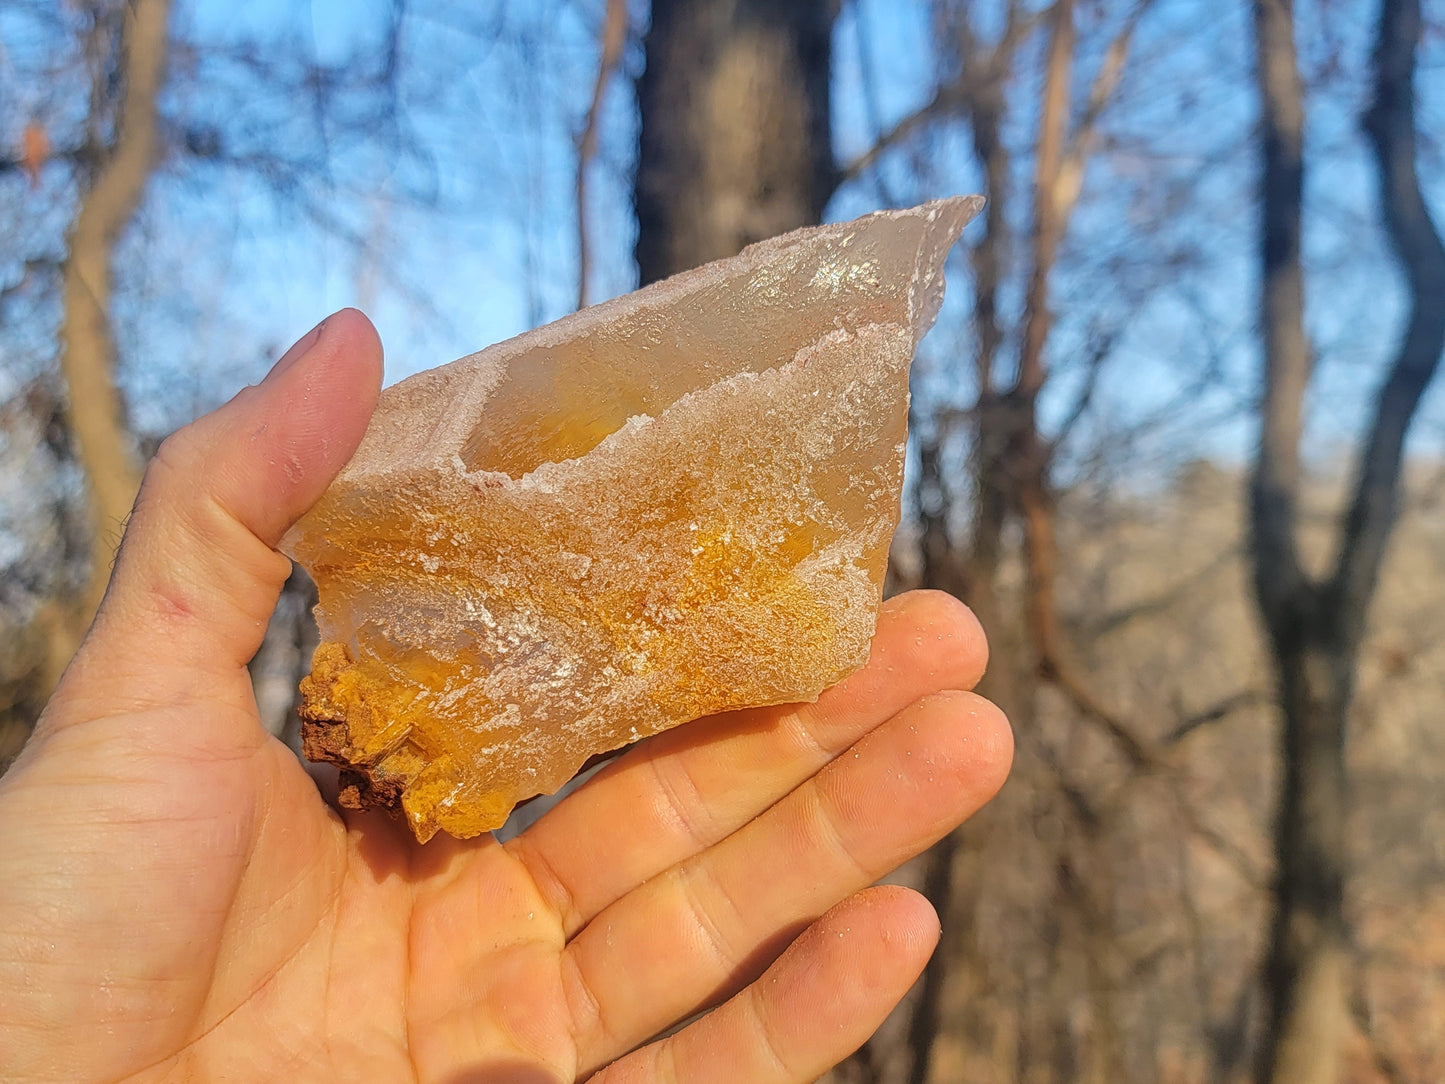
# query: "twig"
867,70
953,97
1244,698
1099,352
1106,81
614,36
1228,849
947,100
1113,620
1059,669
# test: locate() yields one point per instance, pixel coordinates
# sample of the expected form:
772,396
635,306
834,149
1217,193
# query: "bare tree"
1011,458
736,138
1316,624
104,138
127,42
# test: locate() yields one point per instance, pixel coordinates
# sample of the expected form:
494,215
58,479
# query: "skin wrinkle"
549,887
224,922
331,955
173,458
259,820
663,1058
686,813
191,1045
409,943
175,598
731,955
146,781
526,1053
752,1002
269,579
351,857
227,757
523,939
575,985
817,815
800,724
296,1055
259,917
724,955
175,703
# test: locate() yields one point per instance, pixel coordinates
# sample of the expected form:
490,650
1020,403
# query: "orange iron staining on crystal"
671,504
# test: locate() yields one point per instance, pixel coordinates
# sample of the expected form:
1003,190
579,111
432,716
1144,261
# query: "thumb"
197,575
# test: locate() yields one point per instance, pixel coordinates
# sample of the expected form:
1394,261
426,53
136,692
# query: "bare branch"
990,254
952,98
868,78
72,155
1217,712
1055,658
1390,123
1049,223
614,36
1248,870
1385,1063
87,355
1106,81
1275,487
948,100
1164,601
1099,352
1059,667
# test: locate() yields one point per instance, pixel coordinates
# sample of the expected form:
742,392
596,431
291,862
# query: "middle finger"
696,933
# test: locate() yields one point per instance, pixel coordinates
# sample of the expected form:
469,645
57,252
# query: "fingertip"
977,736
993,744
906,921
859,959
933,632
349,348
304,422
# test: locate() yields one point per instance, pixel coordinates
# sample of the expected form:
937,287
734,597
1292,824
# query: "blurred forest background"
1174,435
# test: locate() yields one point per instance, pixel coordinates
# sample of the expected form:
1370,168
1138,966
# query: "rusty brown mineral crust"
325,738
671,504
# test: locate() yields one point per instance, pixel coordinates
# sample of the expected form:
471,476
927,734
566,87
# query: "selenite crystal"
664,506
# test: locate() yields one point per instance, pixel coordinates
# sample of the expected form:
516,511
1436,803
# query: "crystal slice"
664,506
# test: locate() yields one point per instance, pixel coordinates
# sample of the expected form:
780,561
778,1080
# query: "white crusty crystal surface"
667,505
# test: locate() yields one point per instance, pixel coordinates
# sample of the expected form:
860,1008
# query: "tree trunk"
1305,970
971,574
87,350
1315,627
736,142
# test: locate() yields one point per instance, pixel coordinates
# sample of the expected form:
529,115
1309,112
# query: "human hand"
178,902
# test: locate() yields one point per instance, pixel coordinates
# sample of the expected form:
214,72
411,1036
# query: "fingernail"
297,351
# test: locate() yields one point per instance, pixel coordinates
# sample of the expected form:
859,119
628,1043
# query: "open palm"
177,901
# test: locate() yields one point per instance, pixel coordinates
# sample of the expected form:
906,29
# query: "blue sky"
473,240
